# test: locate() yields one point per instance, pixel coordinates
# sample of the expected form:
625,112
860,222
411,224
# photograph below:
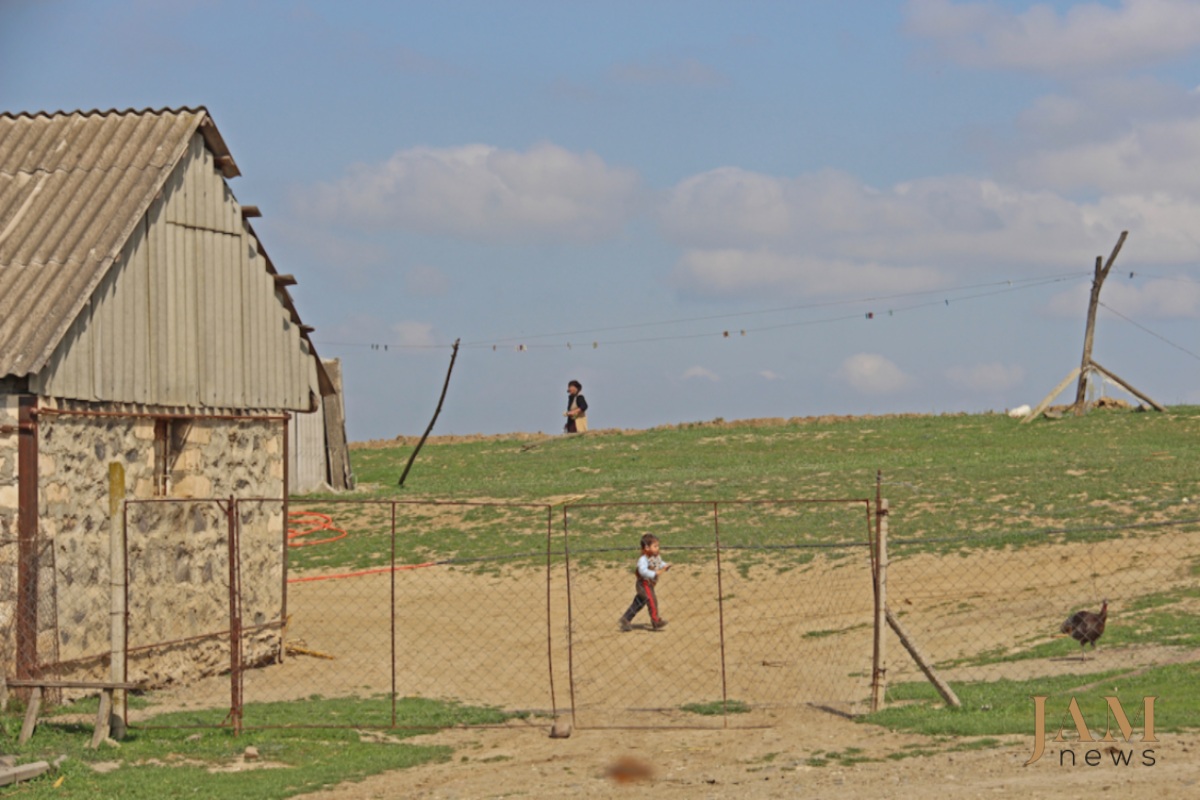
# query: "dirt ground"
498,655
763,764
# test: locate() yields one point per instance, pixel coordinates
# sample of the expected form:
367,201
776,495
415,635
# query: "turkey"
1086,626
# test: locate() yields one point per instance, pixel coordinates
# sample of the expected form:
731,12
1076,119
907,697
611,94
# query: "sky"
697,209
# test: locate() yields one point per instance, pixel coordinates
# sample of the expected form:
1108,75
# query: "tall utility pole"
1088,365
1080,406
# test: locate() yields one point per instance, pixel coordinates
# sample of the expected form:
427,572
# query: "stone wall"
177,546
8,532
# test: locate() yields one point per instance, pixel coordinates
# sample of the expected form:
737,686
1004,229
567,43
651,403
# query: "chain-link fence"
516,606
768,604
992,608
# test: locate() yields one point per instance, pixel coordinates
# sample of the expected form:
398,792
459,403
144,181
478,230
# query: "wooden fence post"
879,661
116,549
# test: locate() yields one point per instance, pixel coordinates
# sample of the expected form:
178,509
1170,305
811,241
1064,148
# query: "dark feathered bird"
1086,626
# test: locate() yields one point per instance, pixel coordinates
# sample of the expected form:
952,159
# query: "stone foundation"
176,539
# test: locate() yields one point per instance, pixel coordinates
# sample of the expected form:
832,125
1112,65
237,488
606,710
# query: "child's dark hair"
648,539
578,386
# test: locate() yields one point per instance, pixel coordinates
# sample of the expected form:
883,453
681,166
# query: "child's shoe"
625,624
659,624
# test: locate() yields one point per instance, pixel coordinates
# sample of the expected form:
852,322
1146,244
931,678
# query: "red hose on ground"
324,522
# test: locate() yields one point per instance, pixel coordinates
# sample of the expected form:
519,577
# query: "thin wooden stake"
437,411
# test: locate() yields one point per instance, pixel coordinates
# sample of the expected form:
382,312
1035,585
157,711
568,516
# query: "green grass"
1006,707
1151,619
155,762
717,708
961,481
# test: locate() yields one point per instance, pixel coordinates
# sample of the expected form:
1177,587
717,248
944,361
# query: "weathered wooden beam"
103,719
31,714
943,688
1050,397
1124,385
22,772
1080,405
284,280
250,211
227,166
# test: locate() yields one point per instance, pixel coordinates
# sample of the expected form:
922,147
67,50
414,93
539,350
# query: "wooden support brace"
1124,385
1042,406
36,687
943,688
103,716
31,715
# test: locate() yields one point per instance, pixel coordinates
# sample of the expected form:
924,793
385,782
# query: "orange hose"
375,571
324,523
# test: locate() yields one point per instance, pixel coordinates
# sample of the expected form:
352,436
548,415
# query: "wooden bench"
38,685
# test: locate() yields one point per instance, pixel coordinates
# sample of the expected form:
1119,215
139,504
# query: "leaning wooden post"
116,550
436,411
943,688
1089,333
879,668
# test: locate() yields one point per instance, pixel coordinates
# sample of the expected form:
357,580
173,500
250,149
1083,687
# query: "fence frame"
871,543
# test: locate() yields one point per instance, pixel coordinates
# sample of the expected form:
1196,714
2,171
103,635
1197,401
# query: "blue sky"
697,209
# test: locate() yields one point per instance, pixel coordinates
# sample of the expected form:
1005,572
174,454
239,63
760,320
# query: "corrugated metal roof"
73,185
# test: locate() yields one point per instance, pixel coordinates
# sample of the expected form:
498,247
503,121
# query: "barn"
144,333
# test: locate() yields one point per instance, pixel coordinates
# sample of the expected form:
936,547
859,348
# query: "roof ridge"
95,112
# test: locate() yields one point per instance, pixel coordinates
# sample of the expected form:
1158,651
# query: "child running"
649,565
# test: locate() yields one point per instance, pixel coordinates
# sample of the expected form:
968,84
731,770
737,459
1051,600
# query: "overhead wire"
1147,330
528,342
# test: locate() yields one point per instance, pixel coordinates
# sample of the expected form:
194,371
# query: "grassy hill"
943,475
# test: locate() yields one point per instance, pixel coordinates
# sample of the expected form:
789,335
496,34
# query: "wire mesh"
516,607
764,610
392,599
994,609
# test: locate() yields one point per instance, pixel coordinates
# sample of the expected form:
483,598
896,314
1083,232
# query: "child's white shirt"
649,566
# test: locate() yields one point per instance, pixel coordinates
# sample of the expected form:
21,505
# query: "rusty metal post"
549,618
392,609
570,619
283,605
235,621
27,531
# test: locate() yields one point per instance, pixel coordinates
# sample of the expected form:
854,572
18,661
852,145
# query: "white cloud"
986,378
1157,158
413,334
765,273
1156,299
871,373
746,233
484,193
832,215
702,373
1086,36
770,375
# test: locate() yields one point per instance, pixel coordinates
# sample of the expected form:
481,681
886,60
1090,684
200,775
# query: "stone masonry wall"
177,550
